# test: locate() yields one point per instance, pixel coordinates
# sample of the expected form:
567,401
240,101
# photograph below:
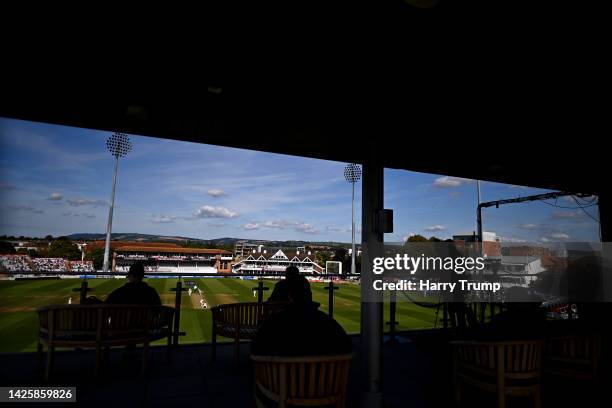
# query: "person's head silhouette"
136,273
292,271
298,291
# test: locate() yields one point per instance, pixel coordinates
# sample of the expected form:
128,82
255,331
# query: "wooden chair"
301,381
510,368
239,321
101,325
575,357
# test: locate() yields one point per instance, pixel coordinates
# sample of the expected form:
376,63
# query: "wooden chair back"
302,381
82,323
242,319
575,357
512,359
508,368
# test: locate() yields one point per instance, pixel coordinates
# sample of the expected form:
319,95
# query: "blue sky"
57,180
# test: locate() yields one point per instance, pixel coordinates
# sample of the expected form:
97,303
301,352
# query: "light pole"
119,145
82,249
352,174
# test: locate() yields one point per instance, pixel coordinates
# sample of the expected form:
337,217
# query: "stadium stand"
81,266
50,264
15,263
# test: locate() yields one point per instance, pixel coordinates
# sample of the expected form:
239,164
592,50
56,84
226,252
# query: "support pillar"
372,301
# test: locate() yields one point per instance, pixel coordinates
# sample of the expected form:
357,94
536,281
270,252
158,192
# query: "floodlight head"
352,173
119,144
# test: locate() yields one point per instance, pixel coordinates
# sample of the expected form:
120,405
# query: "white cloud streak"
215,192
55,197
450,182
208,211
79,201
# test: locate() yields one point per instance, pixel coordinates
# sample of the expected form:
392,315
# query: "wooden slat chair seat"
508,368
240,321
229,330
102,325
576,357
310,381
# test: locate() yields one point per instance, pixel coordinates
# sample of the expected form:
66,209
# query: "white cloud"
208,211
163,219
448,181
306,228
54,197
512,239
332,228
215,192
73,214
278,224
251,226
435,228
582,200
572,215
216,224
528,226
555,236
345,230
75,202
297,226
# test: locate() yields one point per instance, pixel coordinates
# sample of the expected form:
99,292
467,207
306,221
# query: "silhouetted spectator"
522,319
280,292
135,292
301,329
584,283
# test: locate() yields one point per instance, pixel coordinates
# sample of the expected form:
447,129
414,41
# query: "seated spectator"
280,292
135,292
522,319
301,329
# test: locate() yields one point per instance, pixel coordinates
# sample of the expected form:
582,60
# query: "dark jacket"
136,293
301,331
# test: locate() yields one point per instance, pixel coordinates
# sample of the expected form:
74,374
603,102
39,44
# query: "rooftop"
172,249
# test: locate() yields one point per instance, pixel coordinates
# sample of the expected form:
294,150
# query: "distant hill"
226,241
131,236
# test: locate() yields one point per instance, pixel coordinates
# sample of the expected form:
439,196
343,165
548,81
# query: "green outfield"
19,300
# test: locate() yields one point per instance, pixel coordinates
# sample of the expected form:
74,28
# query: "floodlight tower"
82,249
352,174
118,145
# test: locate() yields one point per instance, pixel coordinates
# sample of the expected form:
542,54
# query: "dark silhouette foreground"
281,288
135,292
301,329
